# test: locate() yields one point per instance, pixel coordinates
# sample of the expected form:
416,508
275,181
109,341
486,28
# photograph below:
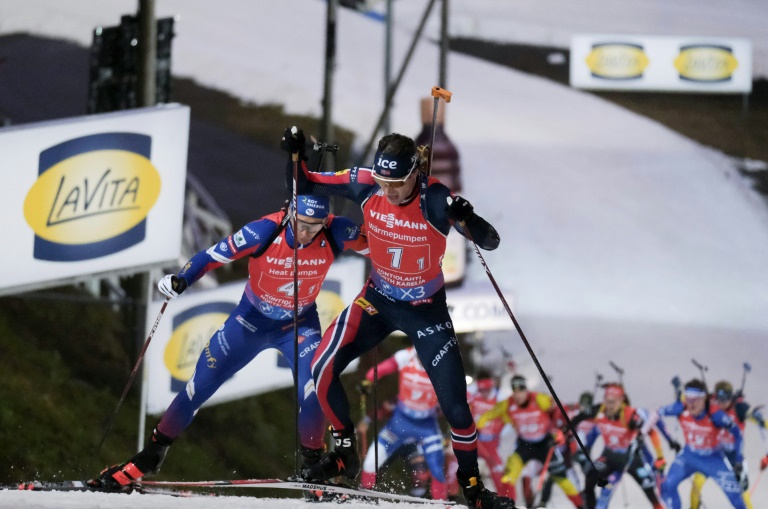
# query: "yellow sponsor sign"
617,61
92,196
706,63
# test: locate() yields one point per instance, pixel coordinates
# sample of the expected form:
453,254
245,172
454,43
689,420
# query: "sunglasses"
394,184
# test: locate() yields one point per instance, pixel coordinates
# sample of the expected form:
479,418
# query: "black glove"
460,209
675,446
172,286
294,142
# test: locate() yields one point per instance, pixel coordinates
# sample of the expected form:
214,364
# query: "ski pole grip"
441,93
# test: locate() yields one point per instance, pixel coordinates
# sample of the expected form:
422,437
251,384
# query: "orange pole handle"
441,93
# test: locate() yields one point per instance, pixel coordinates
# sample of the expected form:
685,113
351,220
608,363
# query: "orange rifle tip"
441,93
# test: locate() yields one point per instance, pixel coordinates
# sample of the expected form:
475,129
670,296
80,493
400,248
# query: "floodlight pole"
146,96
326,131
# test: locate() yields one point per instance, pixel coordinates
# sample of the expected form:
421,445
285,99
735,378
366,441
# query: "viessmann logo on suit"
92,196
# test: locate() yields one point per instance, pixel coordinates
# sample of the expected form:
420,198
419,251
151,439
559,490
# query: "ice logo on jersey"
92,196
265,307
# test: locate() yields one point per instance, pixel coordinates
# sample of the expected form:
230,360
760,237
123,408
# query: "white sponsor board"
477,307
192,319
91,195
656,63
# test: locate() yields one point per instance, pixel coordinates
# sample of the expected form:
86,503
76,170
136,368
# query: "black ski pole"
438,93
602,482
619,372
133,375
295,224
702,370
598,379
747,368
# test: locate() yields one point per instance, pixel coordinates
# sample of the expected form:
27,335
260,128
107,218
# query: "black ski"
84,486
356,493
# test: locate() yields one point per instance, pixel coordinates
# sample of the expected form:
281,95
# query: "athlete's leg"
388,442
719,470
645,477
682,468
311,418
697,483
229,349
357,329
512,471
430,328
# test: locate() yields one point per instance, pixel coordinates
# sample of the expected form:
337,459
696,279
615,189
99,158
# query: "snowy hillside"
621,240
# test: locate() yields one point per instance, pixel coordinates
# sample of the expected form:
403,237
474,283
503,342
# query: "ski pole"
757,481
619,371
545,468
133,375
598,379
438,93
295,226
601,482
747,368
702,370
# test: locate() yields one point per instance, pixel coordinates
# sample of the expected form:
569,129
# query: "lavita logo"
92,196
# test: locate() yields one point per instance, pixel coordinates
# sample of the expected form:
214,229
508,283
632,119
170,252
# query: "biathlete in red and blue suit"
263,319
407,217
702,425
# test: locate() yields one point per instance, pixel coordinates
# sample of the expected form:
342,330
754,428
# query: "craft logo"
192,330
617,61
92,196
706,63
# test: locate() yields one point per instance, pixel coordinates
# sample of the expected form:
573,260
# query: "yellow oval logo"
706,63
617,61
190,337
92,197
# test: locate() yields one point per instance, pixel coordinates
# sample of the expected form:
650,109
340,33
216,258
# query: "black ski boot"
144,464
478,497
343,460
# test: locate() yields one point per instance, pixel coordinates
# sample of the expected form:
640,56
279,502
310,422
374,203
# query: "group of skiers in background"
547,453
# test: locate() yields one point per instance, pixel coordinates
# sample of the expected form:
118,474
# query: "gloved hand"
558,438
659,465
459,209
172,286
764,462
675,446
738,471
364,387
676,383
294,142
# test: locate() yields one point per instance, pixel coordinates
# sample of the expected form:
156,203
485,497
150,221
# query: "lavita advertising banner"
192,320
659,63
92,195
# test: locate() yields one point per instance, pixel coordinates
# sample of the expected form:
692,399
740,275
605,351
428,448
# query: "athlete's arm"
348,235
242,243
722,420
499,411
484,235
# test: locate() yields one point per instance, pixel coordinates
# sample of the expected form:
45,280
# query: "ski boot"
144,464
478,497
343,460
